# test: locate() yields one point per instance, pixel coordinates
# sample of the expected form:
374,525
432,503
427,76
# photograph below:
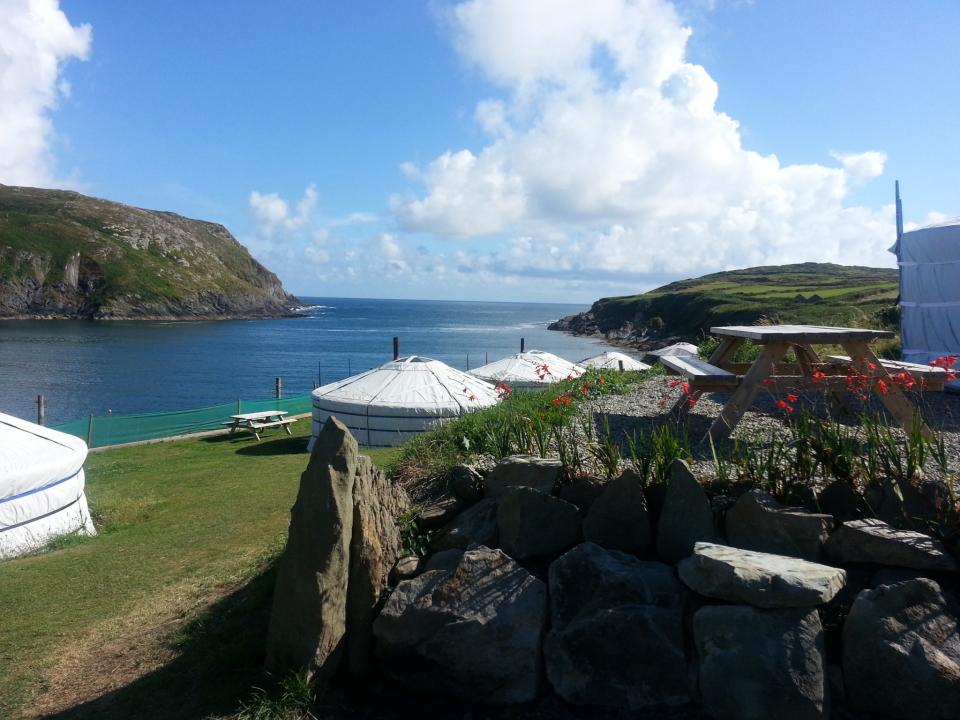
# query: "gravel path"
640,411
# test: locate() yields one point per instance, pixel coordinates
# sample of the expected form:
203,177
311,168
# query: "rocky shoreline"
626,335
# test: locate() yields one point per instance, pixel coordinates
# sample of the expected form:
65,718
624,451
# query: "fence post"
279,387
41,411
522,343
486,358
620,363
90,431
238,406
396,348
468,362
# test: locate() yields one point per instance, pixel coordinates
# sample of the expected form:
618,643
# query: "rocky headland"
64,255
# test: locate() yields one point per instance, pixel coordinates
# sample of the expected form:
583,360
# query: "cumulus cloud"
36,40
607,158
272,213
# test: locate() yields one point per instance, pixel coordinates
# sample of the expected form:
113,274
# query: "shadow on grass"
247,444
220,658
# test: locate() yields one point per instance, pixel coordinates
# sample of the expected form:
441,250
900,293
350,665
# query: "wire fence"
104,430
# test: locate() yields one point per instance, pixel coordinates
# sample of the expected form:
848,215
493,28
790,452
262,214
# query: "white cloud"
36,39
607,158
272,213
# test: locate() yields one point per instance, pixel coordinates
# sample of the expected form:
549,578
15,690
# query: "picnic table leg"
287,428
743,396
905,412
725,350
806,358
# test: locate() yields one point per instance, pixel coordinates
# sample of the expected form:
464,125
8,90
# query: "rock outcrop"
469,628
901,652
618,518
533,524
81,257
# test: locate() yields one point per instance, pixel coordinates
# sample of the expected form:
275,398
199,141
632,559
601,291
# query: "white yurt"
929,260
388,405
613,361
534,369
677,349
41,486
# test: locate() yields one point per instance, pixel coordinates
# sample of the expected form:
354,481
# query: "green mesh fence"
103,430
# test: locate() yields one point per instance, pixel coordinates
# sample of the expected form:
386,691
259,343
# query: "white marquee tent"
612,361
929,260
675,350
534,369
41,486
390,404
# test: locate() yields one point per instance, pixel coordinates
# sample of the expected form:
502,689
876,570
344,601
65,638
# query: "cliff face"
807,293
66,255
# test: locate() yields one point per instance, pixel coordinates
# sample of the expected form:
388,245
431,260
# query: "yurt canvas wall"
41,486
388,405
929,260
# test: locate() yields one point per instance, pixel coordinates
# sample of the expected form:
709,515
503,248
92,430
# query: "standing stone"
901,652
542,474
374,549
617,630
532,524
686,518
618,519
582,492
475,525
308,619
873,541
759,522
761,579
760,664
468,627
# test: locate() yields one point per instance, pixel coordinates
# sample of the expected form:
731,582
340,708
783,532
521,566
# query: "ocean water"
84,368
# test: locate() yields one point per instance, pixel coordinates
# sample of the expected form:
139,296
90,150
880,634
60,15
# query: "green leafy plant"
415,540
606,452
291,699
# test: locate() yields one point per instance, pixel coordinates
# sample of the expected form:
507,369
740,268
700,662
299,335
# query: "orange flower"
792,398
881,387
818,376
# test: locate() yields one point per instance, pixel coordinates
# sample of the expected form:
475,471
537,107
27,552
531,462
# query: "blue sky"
496,149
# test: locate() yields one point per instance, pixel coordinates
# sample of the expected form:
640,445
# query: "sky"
527,150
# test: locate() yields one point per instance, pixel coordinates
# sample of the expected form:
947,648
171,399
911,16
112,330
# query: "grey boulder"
542,474
531,523
758,522
618,518
761,579
475,525
873,541
468,628
686,517
617,630
466,483
901,652
760,664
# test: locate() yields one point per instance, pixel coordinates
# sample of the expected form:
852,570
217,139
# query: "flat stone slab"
873,541
759,579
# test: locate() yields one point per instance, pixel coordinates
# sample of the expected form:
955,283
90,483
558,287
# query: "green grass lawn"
189,531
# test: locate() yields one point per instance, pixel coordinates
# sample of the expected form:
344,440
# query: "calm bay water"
131,367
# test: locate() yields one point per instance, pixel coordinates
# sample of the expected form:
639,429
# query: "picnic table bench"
744,380
258,421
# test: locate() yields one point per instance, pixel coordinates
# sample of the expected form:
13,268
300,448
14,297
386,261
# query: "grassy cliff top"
809,293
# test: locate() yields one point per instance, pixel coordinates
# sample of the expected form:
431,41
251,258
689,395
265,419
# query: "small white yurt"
388,405
613,361
41,486
677,349
531,370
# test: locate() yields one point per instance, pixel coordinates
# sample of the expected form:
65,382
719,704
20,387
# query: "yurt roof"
526,368
611,361
412,382
33,456
683,348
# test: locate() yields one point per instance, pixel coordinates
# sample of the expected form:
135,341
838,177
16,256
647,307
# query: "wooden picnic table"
745,380
255,422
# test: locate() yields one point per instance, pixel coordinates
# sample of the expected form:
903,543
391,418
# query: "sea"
129,367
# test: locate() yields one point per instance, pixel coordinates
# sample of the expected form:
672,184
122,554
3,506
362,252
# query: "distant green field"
809,293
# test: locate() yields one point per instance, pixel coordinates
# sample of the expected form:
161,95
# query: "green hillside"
63,254
808,293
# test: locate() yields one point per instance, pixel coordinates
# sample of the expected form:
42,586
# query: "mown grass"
181,525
